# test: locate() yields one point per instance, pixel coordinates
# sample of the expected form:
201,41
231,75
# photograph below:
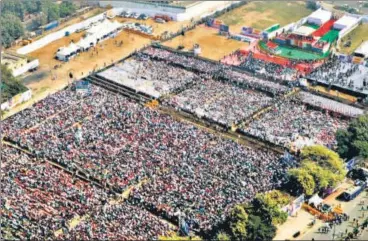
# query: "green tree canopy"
268,206
66,8
238,221
324,157
222,236
302,180
257,229
10,85
354,141
14,7
11,28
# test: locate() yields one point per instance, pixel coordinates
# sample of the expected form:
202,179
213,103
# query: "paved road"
354,210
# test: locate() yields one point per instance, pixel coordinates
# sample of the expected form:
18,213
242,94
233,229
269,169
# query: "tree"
10,85
66,8
53,13
302,181
268,206
238,219
324,157
257,229
14,7
354,141
31,6
221,236
11,29
311,4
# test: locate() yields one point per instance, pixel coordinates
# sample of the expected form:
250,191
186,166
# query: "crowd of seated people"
291,119
120,143
347,75
216,70
223,103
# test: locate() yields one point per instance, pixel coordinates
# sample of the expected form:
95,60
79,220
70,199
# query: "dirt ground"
264,14
54,79
213,46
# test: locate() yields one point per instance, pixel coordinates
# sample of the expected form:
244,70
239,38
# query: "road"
353,209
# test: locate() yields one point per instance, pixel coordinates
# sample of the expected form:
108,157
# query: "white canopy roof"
345,22
304,30
321,15
316,200
362,49
68,50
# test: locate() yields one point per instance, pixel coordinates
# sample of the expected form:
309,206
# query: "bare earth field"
262,15
52,80
213,45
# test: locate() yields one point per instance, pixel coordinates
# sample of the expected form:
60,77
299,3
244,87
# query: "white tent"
67,52
319,17
345,22
362,50
315,200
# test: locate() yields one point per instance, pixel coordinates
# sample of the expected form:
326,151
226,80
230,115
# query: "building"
18,64
362,50
346,22
319,17
177,10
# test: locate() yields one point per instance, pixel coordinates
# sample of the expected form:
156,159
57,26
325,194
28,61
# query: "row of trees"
353,141
10,85
320,169
15,11
255,220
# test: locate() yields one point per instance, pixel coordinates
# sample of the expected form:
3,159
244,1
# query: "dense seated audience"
150,77
184,171
223,103
291,119
216,70
120,143
347,75
38,198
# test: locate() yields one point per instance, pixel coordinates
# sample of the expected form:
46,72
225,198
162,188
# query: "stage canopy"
345,22
319,17
304,30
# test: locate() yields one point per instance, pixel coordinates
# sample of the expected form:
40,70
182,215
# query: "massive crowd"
291,119
223,103
268,69
150,77
346,75
216,70
121,143
40,199
183,171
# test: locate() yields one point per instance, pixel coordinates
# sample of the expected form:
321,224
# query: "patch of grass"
358,35
277,12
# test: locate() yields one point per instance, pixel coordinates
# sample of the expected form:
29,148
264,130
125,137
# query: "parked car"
159,20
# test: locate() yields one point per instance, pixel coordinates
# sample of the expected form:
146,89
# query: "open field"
213,45
261,15
357,36
51,79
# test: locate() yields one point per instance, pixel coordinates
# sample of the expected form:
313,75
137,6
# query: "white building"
346,22
319,17
178,12
362,50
